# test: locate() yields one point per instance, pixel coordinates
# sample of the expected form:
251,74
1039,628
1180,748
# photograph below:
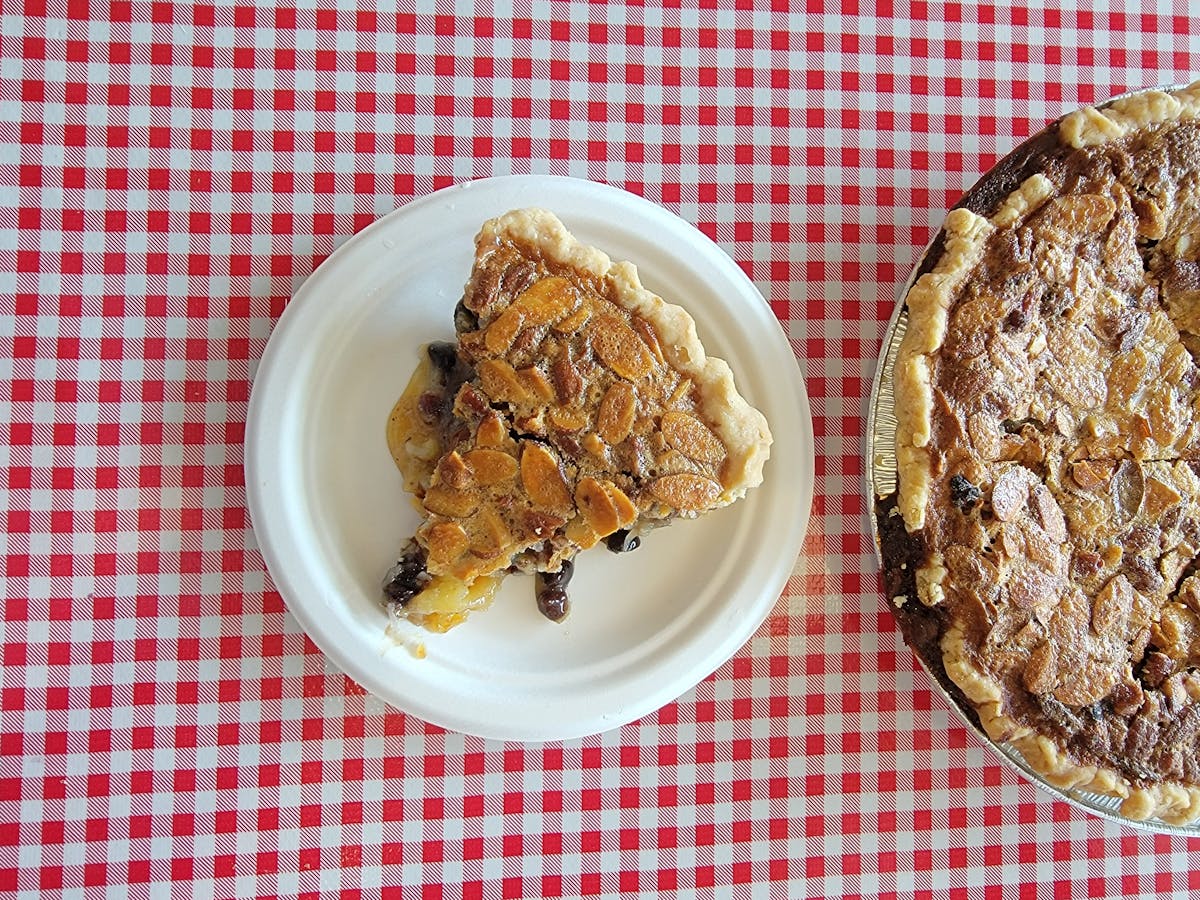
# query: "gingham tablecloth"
170,174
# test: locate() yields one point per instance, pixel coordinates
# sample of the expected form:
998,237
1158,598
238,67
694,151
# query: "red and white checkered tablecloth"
169,174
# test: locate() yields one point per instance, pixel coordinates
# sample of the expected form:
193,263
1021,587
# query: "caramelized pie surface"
1043,545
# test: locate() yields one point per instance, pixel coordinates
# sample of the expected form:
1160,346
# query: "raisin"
551,590
408,576
963,494
432,405
553,604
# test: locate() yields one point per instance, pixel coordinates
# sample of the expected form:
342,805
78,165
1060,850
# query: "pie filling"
575,407
1042,548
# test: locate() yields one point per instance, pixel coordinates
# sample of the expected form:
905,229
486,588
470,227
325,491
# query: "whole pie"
1043,547
576,406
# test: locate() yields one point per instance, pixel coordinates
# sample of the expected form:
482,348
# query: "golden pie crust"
578,404
1043,545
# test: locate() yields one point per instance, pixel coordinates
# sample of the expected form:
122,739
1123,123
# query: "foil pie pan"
881,469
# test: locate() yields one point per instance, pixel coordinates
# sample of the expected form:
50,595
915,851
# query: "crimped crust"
1048,448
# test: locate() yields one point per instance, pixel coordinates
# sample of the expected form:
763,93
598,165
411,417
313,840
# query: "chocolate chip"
623,541
551,590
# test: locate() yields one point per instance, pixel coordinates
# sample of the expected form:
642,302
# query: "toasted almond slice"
594,444
627,511
647,333
504,329
575,320
446,541
491,466
615,416
597,507
1159,497
491,432
691,437
619,348
547,300
580,533
680,393
537,384
500,381
686,491
443,501
453,471
492,536
542,479
568,419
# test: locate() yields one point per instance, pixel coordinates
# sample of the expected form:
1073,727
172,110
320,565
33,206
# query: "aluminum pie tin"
881,469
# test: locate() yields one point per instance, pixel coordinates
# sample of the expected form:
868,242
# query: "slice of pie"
1043,547
576,407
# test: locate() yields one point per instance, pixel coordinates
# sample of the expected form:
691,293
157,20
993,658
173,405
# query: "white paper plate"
330,514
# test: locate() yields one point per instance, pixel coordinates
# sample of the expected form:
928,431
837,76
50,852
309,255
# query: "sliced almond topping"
547,300
580,533
491,466
1090,474
691,437
648,334
627,512
1010,494
575,320
680,393
1159,498
492,536
1049,514
491,431
618,347
594,444
597,507
1085,683
686,491
568,419
444,501
503,331
500,381
542,479
615,417
1112,606
1041,673
446,541
453,471
537,384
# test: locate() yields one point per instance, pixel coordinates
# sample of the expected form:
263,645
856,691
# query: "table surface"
169,175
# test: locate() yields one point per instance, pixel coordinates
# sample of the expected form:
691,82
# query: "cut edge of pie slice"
576,404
